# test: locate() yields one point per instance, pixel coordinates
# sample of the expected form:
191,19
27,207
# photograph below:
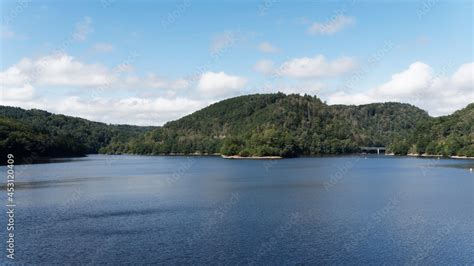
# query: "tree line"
294,125
33,135
251,125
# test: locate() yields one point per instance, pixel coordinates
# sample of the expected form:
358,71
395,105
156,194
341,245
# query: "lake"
209,210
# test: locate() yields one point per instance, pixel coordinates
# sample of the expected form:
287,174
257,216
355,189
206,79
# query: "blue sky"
148,62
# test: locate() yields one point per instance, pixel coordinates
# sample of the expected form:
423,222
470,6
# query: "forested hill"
292,125
252,125
445,135
32,135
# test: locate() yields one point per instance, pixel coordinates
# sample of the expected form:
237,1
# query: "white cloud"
419,85
22,93
65,71
316,67
131,110
264,66
56,70
103,47
151,81
41,83
336,24
464,76
214,84
14,85
267,47
82,29
13,76
311,88
179,84
417,77
18,84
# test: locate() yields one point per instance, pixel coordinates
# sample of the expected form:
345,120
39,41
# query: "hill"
251,125
446,135
282,125
32,135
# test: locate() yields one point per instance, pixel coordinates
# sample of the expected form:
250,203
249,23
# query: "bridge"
373,149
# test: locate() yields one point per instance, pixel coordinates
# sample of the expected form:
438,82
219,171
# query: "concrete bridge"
373,149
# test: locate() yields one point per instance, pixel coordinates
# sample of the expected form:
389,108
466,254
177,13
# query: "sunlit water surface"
200,210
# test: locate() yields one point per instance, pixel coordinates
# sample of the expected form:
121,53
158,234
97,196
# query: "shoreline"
440,156
408,155
461,157
231,157
252,157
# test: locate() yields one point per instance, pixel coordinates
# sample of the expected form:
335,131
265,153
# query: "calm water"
174,210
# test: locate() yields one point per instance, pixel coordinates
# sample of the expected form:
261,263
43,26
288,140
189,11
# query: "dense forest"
293,125
445,135
33,135
252,125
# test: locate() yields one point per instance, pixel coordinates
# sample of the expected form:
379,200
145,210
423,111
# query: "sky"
150,62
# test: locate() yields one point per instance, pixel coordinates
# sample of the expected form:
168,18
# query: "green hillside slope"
251,125
279,124
34,134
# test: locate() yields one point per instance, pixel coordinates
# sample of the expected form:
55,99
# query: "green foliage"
288,126
399,147
232,146
35,134
447,135
252,125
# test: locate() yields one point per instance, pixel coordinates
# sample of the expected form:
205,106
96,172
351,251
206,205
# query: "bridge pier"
373,149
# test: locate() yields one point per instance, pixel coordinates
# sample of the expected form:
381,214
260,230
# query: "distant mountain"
251,125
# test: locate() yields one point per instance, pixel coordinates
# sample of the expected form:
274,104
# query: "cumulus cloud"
130,110
336,24
62,70
267,47
264,66
317,67
25,84
13,76
439,94
310,88
22,93
56,70
417,77
217,84
65,70
14,85
464,76
152,81
29,83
